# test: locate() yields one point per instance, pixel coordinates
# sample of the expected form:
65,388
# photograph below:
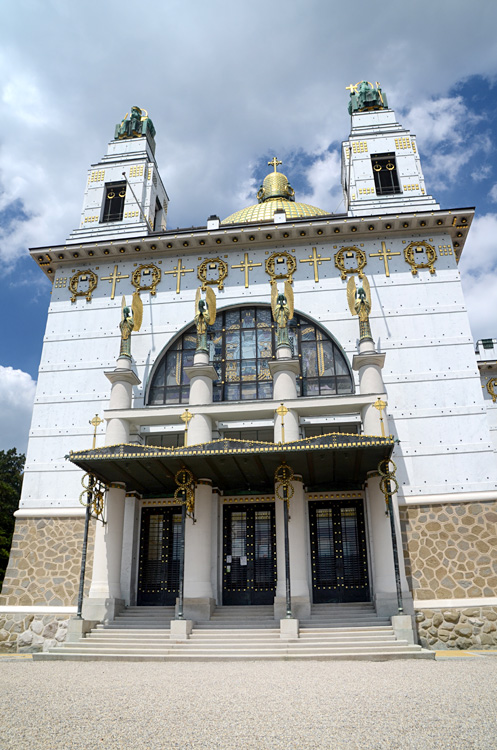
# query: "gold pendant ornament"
185,491
83,276
388,479
287,267
420,255
148,270
212,264
491,384
350,253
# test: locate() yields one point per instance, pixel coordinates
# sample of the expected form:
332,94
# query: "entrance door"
339,557
249,554
158,577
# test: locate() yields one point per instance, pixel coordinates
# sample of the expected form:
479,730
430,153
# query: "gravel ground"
264,706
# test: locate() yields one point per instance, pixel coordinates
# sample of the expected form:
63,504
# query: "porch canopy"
326,462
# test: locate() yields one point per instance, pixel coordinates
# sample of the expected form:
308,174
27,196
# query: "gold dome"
275,185
275,193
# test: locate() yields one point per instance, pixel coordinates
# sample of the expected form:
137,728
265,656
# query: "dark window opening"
115,195
157,215
385,175
325,429
262,434
166,440
241,345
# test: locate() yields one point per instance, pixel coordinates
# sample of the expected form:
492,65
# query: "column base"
78,628
386,604
404,628
198,608
301,607
102,610
180,630
289,629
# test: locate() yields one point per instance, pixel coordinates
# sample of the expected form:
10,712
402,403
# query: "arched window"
241,345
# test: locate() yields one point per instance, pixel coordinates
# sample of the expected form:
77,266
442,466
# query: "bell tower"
124,194
381,168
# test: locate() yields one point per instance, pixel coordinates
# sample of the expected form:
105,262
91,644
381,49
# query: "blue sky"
228,85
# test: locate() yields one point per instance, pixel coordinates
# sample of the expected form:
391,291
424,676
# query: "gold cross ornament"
315,259
247,265
274,163
96,421
380,405
179,271
113,278
385,255
185,417
281,411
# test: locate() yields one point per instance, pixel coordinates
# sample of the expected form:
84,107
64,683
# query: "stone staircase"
348,631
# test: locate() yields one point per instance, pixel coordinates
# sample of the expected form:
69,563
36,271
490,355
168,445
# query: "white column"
370,364
202,375
284,371
104,598
123,378
130,546
198,594
382,569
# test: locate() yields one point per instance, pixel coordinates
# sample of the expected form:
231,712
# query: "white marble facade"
430,378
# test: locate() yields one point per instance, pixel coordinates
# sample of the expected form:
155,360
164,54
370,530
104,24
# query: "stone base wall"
450,551
20,633
45,562
472,627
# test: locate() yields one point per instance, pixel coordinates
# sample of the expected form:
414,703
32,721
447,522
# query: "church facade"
282,407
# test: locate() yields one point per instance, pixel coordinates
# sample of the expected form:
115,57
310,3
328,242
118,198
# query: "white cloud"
493,193
483,173
324,178
17,391
478,267
443,127
223,82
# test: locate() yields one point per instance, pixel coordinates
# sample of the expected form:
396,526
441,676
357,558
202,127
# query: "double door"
249,554
158,577
339,552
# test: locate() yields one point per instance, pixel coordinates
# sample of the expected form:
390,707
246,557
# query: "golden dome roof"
275,193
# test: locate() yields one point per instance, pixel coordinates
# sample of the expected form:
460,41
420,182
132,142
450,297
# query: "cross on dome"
274,163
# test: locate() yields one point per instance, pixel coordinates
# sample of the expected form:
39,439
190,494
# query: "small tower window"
158,216
385,175
115,195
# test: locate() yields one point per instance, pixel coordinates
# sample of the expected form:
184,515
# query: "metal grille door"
249,554
339,555
158,578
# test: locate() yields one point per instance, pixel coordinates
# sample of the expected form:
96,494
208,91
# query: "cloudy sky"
227,85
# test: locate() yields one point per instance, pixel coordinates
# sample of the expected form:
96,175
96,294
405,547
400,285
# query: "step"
232,650
350,656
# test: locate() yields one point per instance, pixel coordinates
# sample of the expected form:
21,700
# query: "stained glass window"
241,344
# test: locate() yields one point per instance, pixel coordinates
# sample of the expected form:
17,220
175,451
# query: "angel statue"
282,307
131,320
359,299
205,315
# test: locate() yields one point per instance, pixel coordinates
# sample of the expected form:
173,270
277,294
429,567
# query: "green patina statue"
135,125
282,307
365,97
